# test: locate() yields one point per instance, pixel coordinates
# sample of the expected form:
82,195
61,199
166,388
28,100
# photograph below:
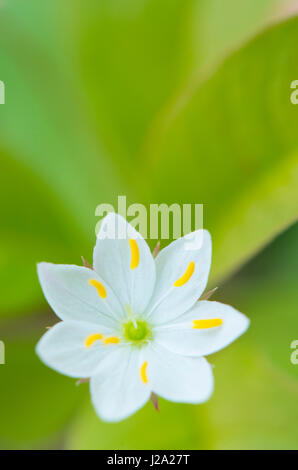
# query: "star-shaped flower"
133,324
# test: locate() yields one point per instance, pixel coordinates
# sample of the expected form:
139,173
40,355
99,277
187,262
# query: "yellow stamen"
99,287
144,372
135,254
186,276
203,324
111,340
92,338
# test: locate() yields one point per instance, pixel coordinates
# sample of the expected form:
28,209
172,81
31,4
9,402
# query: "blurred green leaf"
35,401
255,400
225,25
134,57
254,405
232,145
175,427
267,290
34,227
45,126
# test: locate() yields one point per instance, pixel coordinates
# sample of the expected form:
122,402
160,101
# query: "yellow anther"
204,324
186,276
143,372
111,340
99,287
135,254
92,338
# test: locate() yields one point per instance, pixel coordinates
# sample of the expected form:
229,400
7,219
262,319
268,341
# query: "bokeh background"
184,101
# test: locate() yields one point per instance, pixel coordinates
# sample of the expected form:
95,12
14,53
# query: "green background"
164,101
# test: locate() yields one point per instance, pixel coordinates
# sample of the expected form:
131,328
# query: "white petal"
117,390
169,301
182,338
178,378
63,348
70,295
112,259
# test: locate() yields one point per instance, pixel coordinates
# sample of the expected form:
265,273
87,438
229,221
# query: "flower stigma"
137,332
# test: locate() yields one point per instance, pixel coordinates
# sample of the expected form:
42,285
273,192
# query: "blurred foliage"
184,101
247,173
35,402
176,427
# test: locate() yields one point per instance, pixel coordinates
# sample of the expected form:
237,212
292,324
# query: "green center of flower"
137,332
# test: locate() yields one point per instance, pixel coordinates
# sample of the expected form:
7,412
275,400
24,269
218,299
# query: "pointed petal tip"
85,263
154,401
208,294
156,249
82,381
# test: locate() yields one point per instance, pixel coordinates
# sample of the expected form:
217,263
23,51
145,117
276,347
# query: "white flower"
134,324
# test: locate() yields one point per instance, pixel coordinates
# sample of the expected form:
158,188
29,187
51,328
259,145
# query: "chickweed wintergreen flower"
133,324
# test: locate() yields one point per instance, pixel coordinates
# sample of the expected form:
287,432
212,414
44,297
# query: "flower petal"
195,333
122,257
178,378
64,349
182,271
117,390
69,292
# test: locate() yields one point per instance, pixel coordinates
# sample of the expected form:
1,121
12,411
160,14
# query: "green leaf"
132,57
254,405
266,289
53,135
174,427
135,57
232,145
35,401
34,227
225,25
